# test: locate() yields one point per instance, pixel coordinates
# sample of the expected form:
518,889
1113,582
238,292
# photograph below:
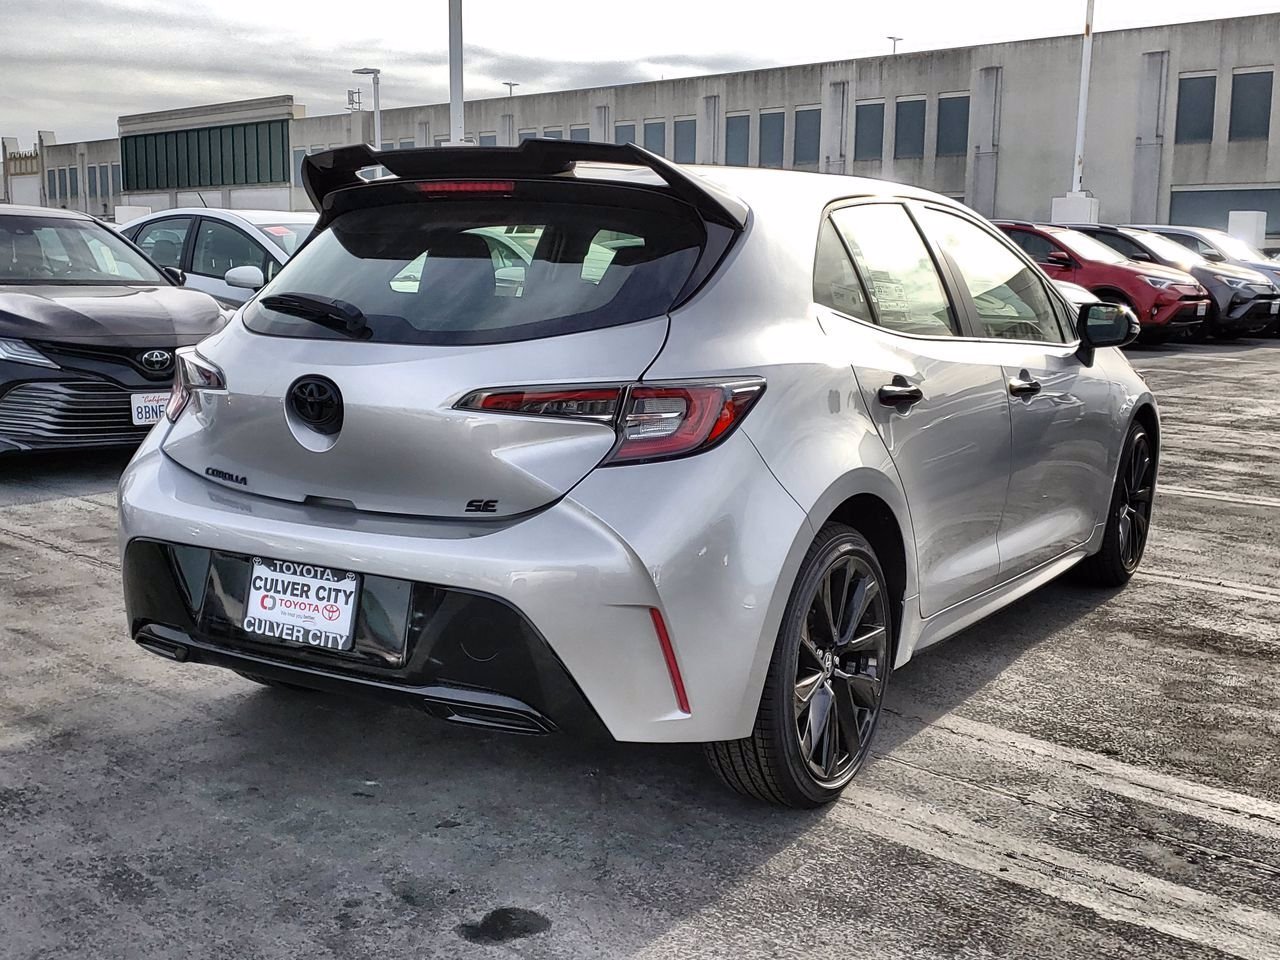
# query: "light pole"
511,86
1082,105
377,106
457,120
895,42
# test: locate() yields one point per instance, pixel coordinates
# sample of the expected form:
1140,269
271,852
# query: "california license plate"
301,603
148,407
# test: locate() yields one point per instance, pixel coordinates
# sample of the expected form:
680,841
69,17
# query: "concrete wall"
85,158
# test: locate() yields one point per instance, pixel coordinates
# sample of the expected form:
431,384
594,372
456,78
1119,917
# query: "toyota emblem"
317,402
157,361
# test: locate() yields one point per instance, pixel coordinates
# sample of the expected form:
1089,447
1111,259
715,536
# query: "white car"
205,244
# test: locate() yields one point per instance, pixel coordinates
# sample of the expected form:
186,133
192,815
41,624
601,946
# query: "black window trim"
190,256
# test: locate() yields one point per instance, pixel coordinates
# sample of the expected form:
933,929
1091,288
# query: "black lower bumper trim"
477,708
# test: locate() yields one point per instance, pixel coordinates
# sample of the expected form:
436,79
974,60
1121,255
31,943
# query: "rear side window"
1037,247
901,278
446,271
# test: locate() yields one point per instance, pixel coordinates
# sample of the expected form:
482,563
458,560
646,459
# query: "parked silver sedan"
737,445
227,254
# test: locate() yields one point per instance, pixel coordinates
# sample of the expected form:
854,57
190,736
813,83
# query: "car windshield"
491,271
287,236
56,250
1237,249
1166,249
1087,248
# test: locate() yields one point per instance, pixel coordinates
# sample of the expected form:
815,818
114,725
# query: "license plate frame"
147,409
1202,309
1275,307
301,605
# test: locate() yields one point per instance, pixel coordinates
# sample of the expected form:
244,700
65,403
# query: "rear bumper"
581,576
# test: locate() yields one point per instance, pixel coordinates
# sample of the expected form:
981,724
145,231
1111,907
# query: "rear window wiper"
338,315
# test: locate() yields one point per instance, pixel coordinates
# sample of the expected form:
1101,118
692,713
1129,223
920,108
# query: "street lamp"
377,106
511,86
895,42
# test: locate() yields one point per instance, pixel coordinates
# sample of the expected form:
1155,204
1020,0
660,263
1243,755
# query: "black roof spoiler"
325,173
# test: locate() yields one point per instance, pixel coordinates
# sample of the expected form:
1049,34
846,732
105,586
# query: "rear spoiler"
325,173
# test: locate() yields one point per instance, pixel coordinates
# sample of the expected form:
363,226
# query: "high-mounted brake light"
192,373
430,187
653,421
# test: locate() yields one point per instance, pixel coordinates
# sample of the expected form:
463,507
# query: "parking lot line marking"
1233,810
1228,588
1112,892
1251,500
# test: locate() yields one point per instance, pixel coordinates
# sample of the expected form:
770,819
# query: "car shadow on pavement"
31,477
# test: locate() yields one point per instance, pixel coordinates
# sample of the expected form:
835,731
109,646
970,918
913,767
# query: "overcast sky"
73,66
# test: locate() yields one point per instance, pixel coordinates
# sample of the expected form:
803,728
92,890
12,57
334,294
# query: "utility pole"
377,105
895,42
457,122
1082,107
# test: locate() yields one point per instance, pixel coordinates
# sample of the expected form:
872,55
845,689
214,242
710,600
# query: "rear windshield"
57,250
447,271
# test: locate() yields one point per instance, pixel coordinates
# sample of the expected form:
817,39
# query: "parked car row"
1177,280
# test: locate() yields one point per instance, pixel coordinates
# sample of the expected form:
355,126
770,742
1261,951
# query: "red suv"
1167,301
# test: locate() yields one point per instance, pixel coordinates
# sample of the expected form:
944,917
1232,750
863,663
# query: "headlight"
1235,283
1160,283
20,351
194,373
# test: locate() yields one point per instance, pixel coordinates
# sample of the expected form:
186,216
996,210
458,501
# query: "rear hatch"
532,272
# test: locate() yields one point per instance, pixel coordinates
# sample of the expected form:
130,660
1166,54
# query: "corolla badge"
156,361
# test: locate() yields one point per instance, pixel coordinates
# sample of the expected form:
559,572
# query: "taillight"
653,421
192,373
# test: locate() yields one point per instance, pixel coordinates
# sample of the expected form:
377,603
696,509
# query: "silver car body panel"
713,541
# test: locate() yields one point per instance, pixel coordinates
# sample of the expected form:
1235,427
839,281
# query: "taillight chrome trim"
207,376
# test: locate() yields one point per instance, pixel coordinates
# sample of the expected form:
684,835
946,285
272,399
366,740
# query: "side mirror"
246,278
1141,256
1105,325
1059,258
1213,256
176,275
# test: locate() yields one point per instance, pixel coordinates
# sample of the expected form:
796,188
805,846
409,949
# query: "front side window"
901,278
1009,300
163,240
220,247
462,271
44,250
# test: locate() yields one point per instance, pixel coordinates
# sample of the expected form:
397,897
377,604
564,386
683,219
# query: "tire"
819,676
1128,515
270,682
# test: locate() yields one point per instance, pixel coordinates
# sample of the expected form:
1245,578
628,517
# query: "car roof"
1207,233
754,185
254,217
10,210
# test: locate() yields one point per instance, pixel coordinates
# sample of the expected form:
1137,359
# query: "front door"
938,403
1061,411
219,247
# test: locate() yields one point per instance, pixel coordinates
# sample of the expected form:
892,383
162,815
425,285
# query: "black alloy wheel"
1129,520
826,683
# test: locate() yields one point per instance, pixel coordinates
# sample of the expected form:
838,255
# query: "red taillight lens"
430,187
576,403
192,373
654,421
662,421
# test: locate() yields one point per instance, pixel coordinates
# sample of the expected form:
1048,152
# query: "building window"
488,139
1196,98
953,126
299,155
1251,106
624,133
441,141
686,145
808,137
655,137
553,133
527,135
91,181
868,131
207,157
579,133
73,179
737,140
53,185
407,143
908,136
62,183
115,179
773,128
104,173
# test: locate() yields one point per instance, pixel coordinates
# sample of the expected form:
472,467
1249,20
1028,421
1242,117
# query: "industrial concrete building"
1182,127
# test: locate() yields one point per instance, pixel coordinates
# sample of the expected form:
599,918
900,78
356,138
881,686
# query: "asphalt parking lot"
1086,775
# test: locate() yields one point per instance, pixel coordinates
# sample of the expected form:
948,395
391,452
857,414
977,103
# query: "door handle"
1024,385
899,393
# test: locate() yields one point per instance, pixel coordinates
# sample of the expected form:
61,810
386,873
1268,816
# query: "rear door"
1061,411
937,399
443,324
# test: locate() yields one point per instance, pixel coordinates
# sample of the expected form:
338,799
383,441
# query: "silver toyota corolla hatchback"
543,437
